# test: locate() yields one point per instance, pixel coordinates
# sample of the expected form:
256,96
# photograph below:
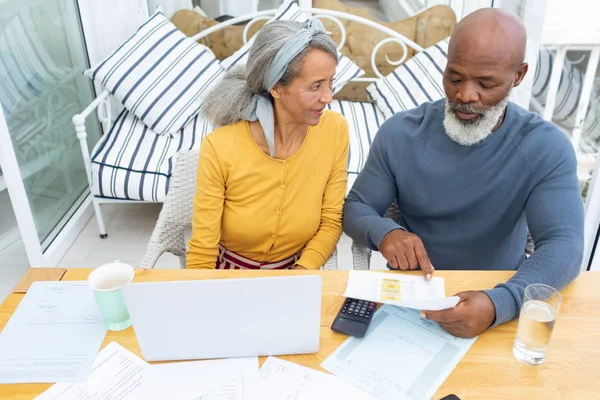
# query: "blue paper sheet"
401,357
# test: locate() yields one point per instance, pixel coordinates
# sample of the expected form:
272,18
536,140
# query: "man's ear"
521,72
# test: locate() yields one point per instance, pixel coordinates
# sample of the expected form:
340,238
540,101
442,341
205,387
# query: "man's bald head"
491,32
485,61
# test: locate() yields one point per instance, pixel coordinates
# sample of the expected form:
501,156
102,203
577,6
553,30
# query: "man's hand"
473,314
404,250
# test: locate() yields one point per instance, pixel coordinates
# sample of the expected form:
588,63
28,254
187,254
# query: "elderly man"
470,174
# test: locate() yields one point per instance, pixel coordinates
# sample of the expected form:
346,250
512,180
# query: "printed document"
401,357
53,336
117,375
226,379
399,290
284,380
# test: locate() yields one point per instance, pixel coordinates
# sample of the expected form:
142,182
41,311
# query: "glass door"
42,56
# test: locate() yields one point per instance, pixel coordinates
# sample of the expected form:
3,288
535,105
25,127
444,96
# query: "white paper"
53,336
284,380
117,375
399,290
401,357
227,379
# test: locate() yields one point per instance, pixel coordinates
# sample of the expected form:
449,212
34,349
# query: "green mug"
107,281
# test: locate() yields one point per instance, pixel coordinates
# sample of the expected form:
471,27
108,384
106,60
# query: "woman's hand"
296,266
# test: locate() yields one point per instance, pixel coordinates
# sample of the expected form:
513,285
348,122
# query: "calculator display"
352,322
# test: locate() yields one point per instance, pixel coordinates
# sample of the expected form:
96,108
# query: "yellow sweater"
266,209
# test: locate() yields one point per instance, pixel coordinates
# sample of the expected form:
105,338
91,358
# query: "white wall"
108,23
572,22
237,8
170,7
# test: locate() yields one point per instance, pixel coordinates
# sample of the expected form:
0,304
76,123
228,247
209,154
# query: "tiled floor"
129,227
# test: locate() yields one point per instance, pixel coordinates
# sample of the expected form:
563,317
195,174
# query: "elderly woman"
272,179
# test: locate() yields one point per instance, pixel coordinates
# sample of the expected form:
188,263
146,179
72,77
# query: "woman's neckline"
290,157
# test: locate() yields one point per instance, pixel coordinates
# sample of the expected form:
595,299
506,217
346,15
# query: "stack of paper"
53,336
119,374
401,357
399,290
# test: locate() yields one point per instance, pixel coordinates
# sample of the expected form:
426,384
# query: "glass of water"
541,304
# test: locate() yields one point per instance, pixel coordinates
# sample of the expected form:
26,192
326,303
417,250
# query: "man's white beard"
468,133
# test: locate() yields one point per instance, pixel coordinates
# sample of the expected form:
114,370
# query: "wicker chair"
176,214
361,255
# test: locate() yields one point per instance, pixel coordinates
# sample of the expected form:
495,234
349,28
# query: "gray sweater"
472,205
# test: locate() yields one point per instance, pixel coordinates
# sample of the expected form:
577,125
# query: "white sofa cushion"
133,163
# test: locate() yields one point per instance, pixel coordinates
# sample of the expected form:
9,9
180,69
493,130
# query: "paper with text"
117,375
226,379
284,380
399,290
53,336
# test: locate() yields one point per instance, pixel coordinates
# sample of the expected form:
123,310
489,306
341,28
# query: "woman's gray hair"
229,101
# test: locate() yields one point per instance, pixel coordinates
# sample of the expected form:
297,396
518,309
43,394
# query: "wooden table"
488,371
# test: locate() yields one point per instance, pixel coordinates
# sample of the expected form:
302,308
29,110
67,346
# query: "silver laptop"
187,320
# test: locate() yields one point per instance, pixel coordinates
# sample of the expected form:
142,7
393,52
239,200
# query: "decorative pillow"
364,120
413,83
159,74
289,11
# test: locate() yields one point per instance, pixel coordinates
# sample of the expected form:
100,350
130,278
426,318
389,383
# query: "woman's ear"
276,91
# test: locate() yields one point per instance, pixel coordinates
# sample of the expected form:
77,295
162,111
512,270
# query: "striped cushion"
289,11
159,74
132,164
26,68
413,83
364,119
